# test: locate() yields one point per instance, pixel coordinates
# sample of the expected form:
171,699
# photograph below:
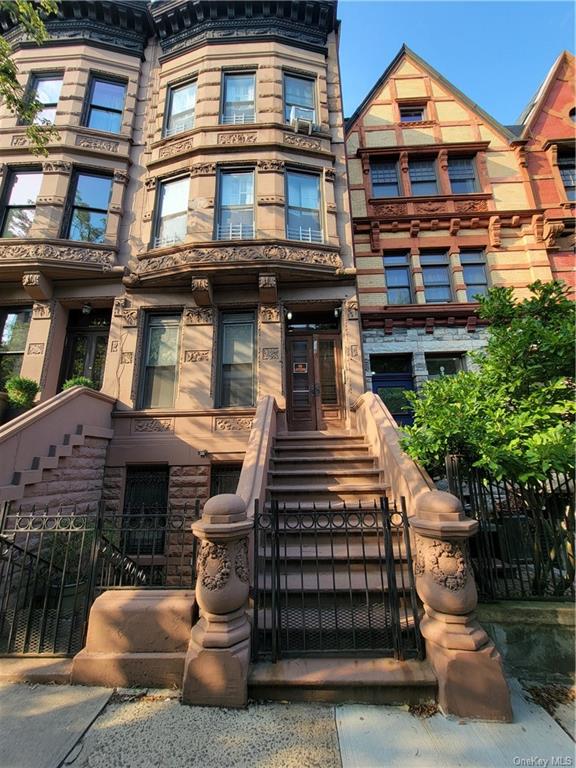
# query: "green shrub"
21,391
79,381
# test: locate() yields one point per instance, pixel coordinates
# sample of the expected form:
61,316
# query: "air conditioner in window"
300,124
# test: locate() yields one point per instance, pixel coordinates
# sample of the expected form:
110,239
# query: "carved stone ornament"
352,310
241,566
203,169
93,142
200,284
354,351
153,425
195,316
270,313
267,281
178,148
19,141
56,166
271,353
552,230
31,279
42,310
329,174
214,565
150,183
233,423
271,166
430,206
390,209
232,254
35,349
48,252
129,318
120,304
470,206
237,138
271,200
121,176
114,345
196,355
126,358
445,561
302,142
494,227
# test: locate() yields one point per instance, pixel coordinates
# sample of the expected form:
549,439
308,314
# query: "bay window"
303,216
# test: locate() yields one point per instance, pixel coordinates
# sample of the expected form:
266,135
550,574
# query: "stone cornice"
41,252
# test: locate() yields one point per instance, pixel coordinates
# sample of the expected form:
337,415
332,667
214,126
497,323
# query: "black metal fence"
333,579
54,562
524,548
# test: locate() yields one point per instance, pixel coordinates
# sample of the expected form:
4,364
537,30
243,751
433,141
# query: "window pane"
17,222
400,259
422,170
472,257
399,296
48,114
435,275
434,258
443,366
438,294
237,189
299,93
174,197
476,290
47,90
10,365
303,220
231,218
424,188
238,98
397,277
108,95
237,360
14,325
182,108
474,273
87,225
161,357
412,115
172,229
24,188
102,120
93,191
303,191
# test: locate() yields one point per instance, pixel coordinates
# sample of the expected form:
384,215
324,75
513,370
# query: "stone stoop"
323,473
24,480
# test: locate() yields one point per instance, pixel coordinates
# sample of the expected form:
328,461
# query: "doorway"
391,378
86,345
314,371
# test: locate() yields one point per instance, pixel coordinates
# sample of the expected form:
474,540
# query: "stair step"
357,487
345,552
323,472
351,462
337,618
287,437
348,679
324,579
321,445
325,506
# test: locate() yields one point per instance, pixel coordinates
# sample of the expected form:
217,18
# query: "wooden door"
314,381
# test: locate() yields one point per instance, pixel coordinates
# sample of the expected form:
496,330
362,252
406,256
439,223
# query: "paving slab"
33,669
151,733
40,724
380,737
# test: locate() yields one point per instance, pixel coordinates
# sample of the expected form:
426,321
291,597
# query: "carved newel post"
216,667
471,681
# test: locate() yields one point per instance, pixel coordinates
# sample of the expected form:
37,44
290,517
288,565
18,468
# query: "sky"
495,51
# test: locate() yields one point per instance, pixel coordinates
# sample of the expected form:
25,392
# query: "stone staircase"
37,483
333,574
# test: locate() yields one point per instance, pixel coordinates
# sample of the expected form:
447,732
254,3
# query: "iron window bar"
167,240
181,124
305,234
235,231
238,118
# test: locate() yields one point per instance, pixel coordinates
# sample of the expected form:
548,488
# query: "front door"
86,345
314,381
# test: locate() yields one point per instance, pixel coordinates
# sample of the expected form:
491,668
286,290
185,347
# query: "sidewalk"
53,726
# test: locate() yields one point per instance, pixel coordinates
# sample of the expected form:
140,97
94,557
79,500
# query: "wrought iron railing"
235,231
305,234
238,118
524,548
334,579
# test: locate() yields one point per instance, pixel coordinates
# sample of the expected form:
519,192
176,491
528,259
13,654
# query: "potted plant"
21,393
79,381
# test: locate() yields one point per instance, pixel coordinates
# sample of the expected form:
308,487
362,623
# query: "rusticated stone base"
216,669
136,638
471,683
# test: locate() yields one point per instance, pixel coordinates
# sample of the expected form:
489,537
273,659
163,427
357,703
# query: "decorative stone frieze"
120,304
196,316
56,166
35,349
126,358
121,176
153,425
129,318
431,206
176,148
203,169
233,254
470,206
114,345
96,143
271,353
42,310
89,257
196,355
302,142
233,423
237,138
150,183
329,174
271,166
352,309
19,140
390,209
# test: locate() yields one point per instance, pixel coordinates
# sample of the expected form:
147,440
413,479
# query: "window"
567,167
236,379
436,276
46,89
160,357
423,177
299,98
172,216
474,266
105,105
238,101
146,503
303,220
397,271
224,478
384,178
20,207
181,109
391,378
443,365
412,114
89,210
462,175
236,205
14,325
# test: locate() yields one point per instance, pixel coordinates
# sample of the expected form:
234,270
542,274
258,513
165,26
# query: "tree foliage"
514,416
30,15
